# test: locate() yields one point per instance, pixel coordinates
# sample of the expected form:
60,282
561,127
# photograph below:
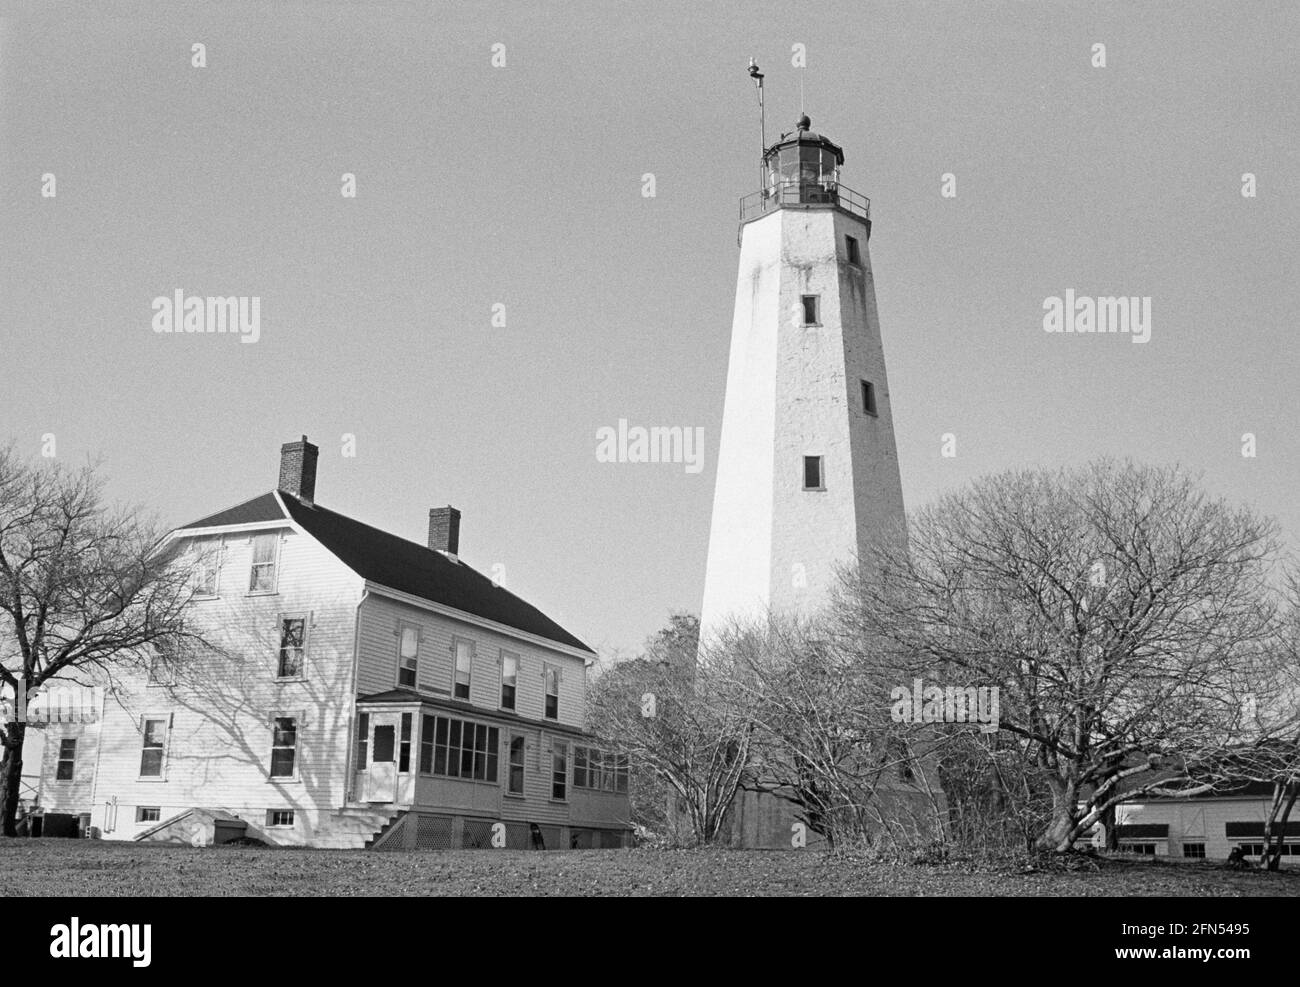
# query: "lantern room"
802,170
806,162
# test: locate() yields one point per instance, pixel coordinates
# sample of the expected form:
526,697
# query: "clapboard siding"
221,707
381,618
223,702
74,795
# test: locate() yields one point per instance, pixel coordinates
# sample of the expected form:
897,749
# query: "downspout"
352,696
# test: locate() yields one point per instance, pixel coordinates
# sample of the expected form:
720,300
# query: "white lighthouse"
808,475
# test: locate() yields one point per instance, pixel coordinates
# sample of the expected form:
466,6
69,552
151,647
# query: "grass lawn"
81,867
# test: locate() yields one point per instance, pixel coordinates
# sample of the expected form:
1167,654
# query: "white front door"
381,773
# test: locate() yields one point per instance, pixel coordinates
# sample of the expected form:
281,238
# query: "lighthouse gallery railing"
797,193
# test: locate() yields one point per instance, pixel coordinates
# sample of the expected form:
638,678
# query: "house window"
551,675
426,744
67,759
600,771
460,749
868,397
559,769
261,577
812,473
1146,849
207,569
851,248
147,813
621,773
162,662
509,679
404,745
284,747
293,647
363,739
515,784
279,818
809,309
151,754
464,665
1194,850
408,660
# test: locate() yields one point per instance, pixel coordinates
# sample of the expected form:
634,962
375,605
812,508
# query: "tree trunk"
1275,825
1065,800
1111,829
11,773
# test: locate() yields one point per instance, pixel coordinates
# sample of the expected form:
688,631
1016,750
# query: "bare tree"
825,742
83,586
673,646
1122,612
682,720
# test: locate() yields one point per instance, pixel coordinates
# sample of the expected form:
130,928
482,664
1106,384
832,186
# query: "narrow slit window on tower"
851,249
812,473
868,397
810,310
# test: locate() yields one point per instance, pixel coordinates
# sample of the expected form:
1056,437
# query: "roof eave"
584,653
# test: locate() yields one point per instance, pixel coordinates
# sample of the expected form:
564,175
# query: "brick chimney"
298,469
444,530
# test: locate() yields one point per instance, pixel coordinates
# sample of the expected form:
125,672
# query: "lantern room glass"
810,169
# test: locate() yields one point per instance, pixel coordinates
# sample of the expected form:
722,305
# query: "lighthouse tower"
807,476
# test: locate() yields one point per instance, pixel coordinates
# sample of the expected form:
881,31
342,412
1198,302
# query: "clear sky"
521,185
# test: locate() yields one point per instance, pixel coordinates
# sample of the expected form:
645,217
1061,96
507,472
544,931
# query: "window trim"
405,741
547,669
456,641
272,813
156,659
167,720
278,537
501,691
361,750
305,617
140,810
217,546
511,737
605,763
429,740
297,718
402,627
71,761
563,746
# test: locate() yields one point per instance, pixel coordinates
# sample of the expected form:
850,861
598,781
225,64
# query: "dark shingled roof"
263,508
400,564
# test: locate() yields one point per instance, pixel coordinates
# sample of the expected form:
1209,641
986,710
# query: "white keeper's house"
368,691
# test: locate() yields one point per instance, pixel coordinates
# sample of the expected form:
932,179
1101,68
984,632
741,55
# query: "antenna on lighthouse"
757,76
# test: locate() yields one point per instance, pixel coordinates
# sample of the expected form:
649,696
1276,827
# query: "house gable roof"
393,562
257,510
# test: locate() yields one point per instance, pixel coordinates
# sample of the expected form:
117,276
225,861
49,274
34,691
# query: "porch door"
381,773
